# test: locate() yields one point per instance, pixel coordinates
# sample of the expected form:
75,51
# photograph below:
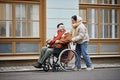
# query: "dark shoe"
37,65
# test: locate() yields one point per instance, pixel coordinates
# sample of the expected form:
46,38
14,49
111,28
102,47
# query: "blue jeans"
81,50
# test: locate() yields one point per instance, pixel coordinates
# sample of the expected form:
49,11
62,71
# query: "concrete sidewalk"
31,68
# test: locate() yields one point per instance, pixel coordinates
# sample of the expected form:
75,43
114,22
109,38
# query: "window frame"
97,2
93,6
99,40
42,22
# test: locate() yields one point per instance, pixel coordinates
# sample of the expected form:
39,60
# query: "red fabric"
60,33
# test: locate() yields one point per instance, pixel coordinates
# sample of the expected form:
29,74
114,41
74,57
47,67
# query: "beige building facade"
26,24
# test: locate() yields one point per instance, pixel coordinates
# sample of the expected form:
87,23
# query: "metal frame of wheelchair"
65,61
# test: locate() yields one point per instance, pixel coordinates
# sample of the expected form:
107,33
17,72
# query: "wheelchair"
61,59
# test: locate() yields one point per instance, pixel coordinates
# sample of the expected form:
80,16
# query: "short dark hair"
74,17
59,24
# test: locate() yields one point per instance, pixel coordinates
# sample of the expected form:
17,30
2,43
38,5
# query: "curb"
34,69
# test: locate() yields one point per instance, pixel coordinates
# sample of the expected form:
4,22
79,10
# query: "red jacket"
64,41
58,37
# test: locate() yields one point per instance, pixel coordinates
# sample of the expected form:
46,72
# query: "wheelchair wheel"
46,67
67,59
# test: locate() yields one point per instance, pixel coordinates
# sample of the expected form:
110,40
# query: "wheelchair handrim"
60,63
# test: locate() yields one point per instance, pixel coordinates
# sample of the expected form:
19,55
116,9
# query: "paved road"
96,74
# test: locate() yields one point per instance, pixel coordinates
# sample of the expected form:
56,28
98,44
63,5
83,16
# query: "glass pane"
5,12
93,30
27,11
5,48
33,29
27,47
21,29
5,29
116,31
104,16
113,2
105,31
109,1
82,13
92,16
20,12
104,1
113,31
113,16
92,1
92,48
82,1
33,12
109,48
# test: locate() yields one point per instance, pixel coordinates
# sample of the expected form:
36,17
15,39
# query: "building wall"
57,11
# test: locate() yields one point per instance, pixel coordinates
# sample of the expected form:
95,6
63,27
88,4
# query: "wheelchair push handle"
71,46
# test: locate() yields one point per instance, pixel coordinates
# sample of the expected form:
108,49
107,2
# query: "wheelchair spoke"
67,59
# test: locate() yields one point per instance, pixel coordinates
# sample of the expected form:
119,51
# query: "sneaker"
90,68
37,65
68,67
77,69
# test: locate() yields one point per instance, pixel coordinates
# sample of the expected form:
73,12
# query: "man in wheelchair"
60,41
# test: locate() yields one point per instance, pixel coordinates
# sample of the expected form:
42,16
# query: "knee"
43,48
49,50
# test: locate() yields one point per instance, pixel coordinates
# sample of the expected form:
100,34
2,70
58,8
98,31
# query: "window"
5,20
109,48
82,12
109,23
107,27
99,1
92,23
108,1
102,20
27,47
27,20
20,26
92,50
5,48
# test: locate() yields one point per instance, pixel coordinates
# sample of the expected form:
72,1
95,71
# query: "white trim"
113,21
7,22
93,21
103,23
21,21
